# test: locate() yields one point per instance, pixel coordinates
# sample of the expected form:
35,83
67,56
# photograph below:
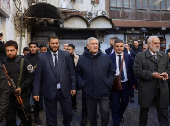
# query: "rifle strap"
21,71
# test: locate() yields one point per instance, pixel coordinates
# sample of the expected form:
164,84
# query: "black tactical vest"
13,67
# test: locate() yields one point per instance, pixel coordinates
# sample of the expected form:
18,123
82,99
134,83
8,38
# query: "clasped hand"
163,76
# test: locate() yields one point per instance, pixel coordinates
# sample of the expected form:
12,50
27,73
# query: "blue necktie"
122,73
56,68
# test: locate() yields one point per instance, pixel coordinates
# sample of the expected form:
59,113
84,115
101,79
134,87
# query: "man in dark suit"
120,98
152,69
58,84
111,50
133,54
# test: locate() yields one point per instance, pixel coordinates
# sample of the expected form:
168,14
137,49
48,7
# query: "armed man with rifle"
20,74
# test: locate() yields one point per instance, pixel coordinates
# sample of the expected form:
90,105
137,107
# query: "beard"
52,49
154,49
12,56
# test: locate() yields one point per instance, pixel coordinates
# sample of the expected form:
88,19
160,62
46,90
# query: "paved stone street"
130,116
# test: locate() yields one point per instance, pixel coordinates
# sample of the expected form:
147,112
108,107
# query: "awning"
76,21
101,22
43,14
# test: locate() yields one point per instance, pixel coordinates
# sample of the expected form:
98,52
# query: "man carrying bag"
119,97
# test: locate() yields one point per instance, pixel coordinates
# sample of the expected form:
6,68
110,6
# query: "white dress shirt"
128,52
112,51
152,53
52,54
124,67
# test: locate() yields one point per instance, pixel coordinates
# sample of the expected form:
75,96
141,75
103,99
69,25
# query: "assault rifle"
13,88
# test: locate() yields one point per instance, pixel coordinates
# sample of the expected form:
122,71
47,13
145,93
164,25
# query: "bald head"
145,47
65,47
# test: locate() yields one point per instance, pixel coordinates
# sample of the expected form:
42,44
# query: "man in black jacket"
136,48
2,48
13,66
4,94
95,75
33,58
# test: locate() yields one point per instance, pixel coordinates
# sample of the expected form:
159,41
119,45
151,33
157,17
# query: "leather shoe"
38,120
97,115
122,119
21,124
83,122
116,124
131,99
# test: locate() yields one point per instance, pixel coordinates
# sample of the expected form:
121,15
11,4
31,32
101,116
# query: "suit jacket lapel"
51,61
114,60
126,61
159,55
149,55
60,59
158,58
153,59
110,50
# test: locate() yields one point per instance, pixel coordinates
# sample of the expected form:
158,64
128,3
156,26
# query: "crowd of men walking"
49,75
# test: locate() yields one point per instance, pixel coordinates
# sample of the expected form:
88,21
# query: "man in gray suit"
56,72
151,67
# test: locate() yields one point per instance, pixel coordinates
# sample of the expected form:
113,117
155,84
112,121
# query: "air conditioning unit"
89,14
101,13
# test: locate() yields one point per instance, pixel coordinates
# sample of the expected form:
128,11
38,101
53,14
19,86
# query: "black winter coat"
4,94
2,51
95,75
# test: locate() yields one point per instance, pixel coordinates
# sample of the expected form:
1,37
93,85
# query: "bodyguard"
152,69
33,59
95,75
58,84
18,67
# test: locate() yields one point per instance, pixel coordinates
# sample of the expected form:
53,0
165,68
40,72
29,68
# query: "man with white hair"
95,76
151,67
